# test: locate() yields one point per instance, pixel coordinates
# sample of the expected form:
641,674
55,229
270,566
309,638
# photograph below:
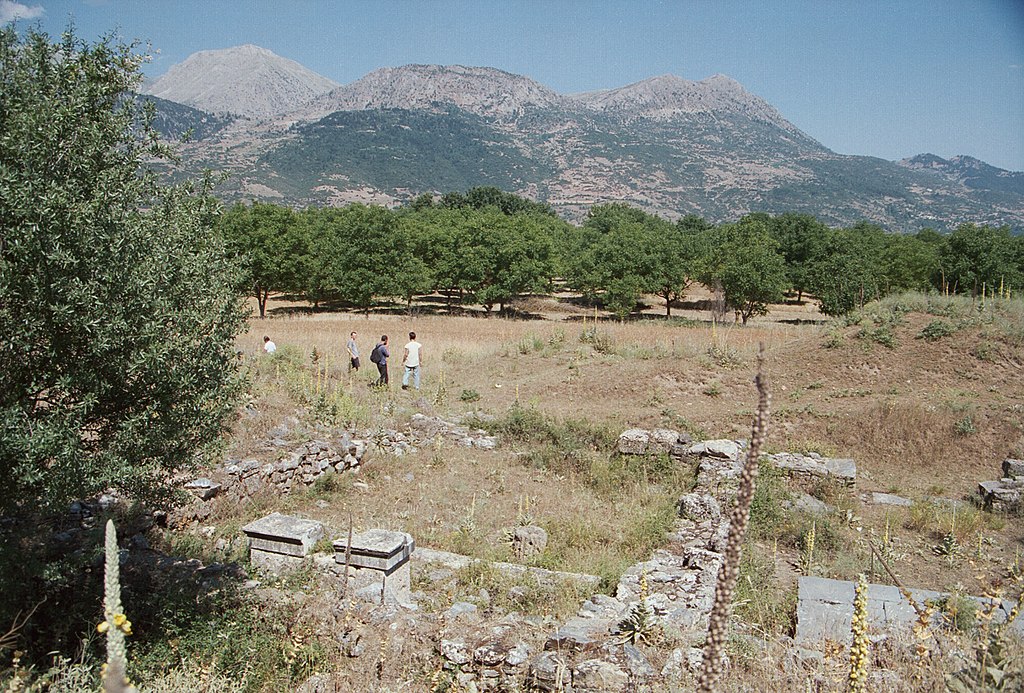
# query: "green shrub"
767,513
760,600
936,330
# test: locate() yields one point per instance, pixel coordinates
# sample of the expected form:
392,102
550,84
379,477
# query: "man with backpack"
379,356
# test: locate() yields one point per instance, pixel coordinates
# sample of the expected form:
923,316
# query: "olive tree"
117,300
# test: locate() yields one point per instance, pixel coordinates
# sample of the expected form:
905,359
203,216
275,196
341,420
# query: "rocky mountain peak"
247,81
667,96
481,90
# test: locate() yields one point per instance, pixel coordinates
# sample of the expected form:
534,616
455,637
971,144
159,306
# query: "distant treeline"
488,247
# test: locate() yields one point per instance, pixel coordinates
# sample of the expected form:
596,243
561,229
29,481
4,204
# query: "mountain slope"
667,145
478,90
969,172
246,81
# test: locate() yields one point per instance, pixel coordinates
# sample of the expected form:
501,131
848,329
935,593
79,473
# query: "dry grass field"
925,393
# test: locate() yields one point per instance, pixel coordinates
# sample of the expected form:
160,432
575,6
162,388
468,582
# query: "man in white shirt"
269,346
412,360
353,353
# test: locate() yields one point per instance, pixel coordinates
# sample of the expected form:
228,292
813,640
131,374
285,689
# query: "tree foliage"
490,246
271,248
745,262
117,301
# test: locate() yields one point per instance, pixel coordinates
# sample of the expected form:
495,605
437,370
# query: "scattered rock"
528,541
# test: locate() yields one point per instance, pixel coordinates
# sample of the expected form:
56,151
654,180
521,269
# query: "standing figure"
268,346
353,352
379,356
412,360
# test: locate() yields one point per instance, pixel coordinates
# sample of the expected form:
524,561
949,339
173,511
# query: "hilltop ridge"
667,145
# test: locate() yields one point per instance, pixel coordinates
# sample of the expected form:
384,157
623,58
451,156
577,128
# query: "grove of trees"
489,247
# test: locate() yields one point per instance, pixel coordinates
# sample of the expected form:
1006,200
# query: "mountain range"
667,145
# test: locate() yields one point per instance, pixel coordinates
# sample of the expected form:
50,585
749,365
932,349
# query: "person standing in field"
268,346
412,359
379,356
353,352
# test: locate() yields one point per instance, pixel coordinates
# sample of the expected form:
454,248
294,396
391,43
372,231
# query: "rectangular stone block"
283,534
274,563
376,549
842,470
1013,468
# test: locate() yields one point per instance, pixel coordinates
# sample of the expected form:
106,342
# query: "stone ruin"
1004,494
238,479
592,649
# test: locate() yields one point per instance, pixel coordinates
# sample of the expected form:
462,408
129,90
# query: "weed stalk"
714,650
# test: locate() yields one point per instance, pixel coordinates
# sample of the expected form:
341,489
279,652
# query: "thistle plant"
639,625
524,517
807,554
725,588
441,392
115,624
857,682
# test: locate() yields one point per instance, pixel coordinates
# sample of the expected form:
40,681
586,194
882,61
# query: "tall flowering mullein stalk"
714,649
859,649
115,624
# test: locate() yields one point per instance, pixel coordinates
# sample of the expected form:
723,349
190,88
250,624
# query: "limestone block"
273,562
637,664
1013,468
529,540
889,499
550,672
599,675
662,440
634,441
518,655
204,489
456,651
284,534
809,504
377,549
579,634
700,507
841,469
728,449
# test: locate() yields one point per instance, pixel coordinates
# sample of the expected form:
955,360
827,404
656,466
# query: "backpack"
375,355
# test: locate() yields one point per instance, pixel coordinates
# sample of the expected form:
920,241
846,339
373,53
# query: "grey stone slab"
663,439
727,449
825,590
842,469
385,565
274,563
578,634
1013,468
825,607
818,621
284,534
275,546
634,441
203,488
379,543
889,499
886,593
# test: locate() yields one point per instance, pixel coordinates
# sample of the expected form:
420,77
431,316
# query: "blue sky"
888,78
